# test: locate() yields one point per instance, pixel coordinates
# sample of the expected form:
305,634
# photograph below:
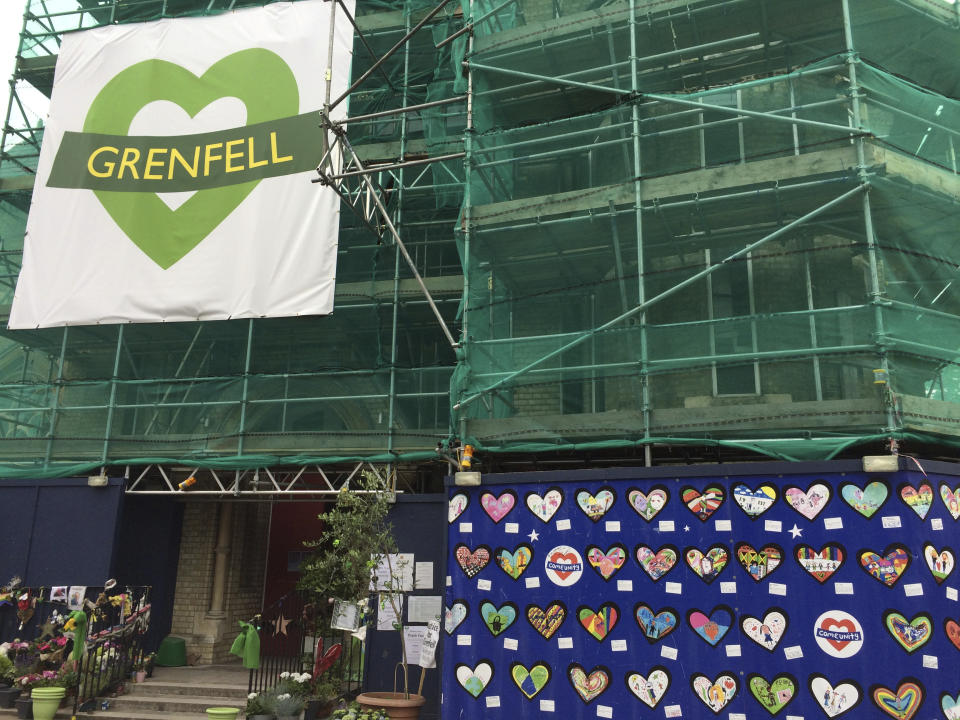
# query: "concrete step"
171,703
140,715
158,687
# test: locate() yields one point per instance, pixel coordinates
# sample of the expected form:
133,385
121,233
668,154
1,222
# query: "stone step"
139,715
159,687
171,703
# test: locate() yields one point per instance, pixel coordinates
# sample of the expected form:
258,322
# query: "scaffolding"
568,225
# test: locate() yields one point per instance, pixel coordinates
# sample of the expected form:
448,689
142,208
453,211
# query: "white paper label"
493,701
723,526
510,644
511,528
565,643
843,588
794,717
484,584
834,523
532,582
737,716
464,639
891,521
952,594
423,576
931,661
728,587
936,523
666,526
563,524
466,527
773,526
793,652
674,588
778,589
673,711
733,651
449,581
913,589
604,711
618,645
613,526
547,706
625,585
670,653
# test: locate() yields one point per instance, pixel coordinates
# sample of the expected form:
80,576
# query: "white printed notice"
386,612
424,608
395,572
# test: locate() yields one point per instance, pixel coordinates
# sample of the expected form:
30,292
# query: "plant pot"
46,700
259,717
141,676
24,707
8,696
317,709
397,706
222,713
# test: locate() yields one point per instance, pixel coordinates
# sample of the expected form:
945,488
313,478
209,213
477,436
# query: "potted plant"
46,693
287,706
8,693
356,711
259,706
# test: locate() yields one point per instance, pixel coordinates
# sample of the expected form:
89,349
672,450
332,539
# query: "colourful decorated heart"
808,503
707,565
515,562
754,502
606,563
589,686
656,564
474,680
918,499
530,680
595,506
950,706
759,563
704,503
901,704
712,627
820,564
454,615
887,568
599,622
548,621
939,562
545,506
768,630
951,498
952,628
650,689
472,561
774,695
866,500
498,507
648,504
715,694
655,625
911,634
834,700
457,505
498,619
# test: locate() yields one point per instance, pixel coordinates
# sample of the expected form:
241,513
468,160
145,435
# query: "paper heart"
754,502
901,704
703,504
951,498
867,500
918,499
773,695
656,564
834,700
715,694
911,634
530,680
545,506
712,627
589,686
514,562
886,568
820,564
472,561
939,562
454,615
759,563
650,689
808,503
456,507
838,633
952,628
547,622
950,706
599,622
707,565
648,504
596,506
498,619
655,626
768,630
497,508
606,563
475,680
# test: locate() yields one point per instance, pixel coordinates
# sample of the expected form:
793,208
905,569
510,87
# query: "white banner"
174,178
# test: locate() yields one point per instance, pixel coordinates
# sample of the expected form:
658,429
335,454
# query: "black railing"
111,655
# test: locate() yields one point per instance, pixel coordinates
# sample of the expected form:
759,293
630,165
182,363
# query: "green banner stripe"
177,163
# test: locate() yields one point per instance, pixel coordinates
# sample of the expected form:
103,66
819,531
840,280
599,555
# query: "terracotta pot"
397,706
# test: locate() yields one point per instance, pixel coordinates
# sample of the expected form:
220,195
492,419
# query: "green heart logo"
259,78
530,681
911,634
773,696
498,619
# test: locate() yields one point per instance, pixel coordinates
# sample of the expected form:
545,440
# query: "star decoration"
281,624
795,532
533,536
686,528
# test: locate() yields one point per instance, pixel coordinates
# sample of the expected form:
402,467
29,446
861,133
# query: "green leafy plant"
7,672
259,704
287,705
356,711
